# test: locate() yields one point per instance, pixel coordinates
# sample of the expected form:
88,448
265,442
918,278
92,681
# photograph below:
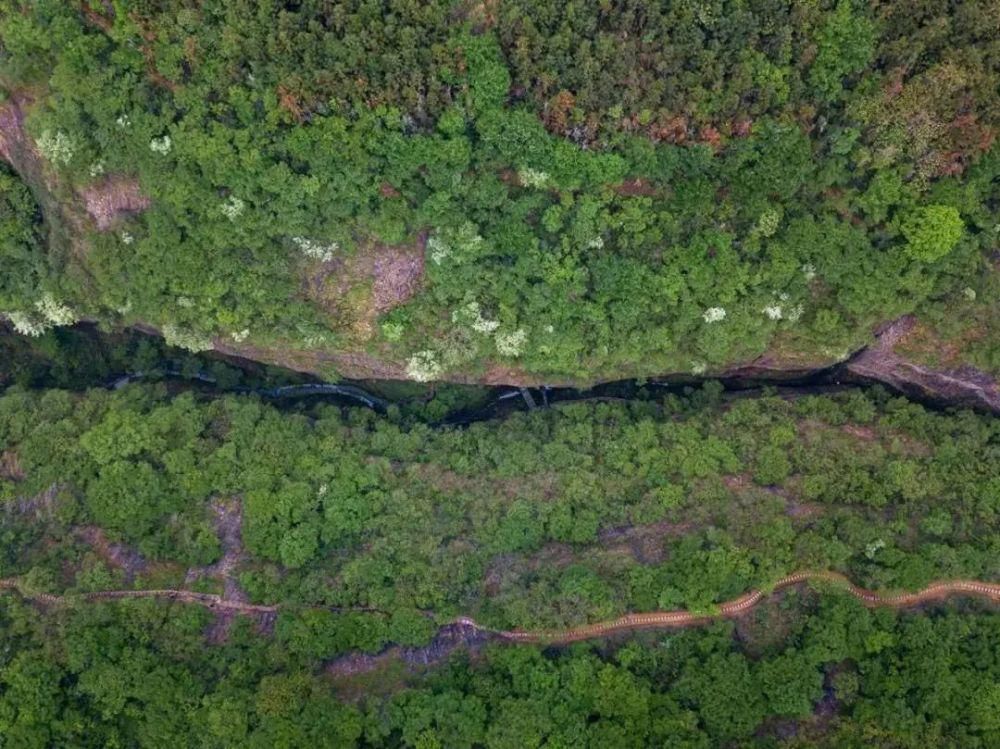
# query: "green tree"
22,254
932,232
846,44
985,710
791,684
724,693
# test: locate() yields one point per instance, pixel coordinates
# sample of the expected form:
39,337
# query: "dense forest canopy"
570,188
480,520
368,530
20,233
505,191
138,674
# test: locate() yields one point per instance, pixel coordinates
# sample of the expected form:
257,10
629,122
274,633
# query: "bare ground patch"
12,136
767,626
866,434
112,198
39,505
356,365
357,289
643,542
539,486
10,466
398,273
505,569
481,15
119,556
749,492
637,187
509,374
458,635
103,202
361,365
803,510
228,522
19,150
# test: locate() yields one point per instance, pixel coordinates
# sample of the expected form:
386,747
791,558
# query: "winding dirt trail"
208,600
741,605
629,622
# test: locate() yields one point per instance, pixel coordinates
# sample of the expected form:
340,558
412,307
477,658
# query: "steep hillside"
214,567
510,192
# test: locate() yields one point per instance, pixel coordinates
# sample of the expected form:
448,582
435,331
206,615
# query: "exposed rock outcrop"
458,635
963,386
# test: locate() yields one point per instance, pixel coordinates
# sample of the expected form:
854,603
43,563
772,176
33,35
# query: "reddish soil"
636,187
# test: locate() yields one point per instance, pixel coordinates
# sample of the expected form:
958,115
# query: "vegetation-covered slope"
362,530
819,672
506,191
512,190
545,519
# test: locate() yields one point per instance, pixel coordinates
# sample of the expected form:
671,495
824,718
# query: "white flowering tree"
713,315
315,249
424,366
48,313
454,245
186,338
57,147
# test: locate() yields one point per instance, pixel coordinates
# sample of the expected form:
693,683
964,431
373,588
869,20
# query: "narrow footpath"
733,609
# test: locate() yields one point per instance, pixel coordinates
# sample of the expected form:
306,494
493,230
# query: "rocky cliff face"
962,386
